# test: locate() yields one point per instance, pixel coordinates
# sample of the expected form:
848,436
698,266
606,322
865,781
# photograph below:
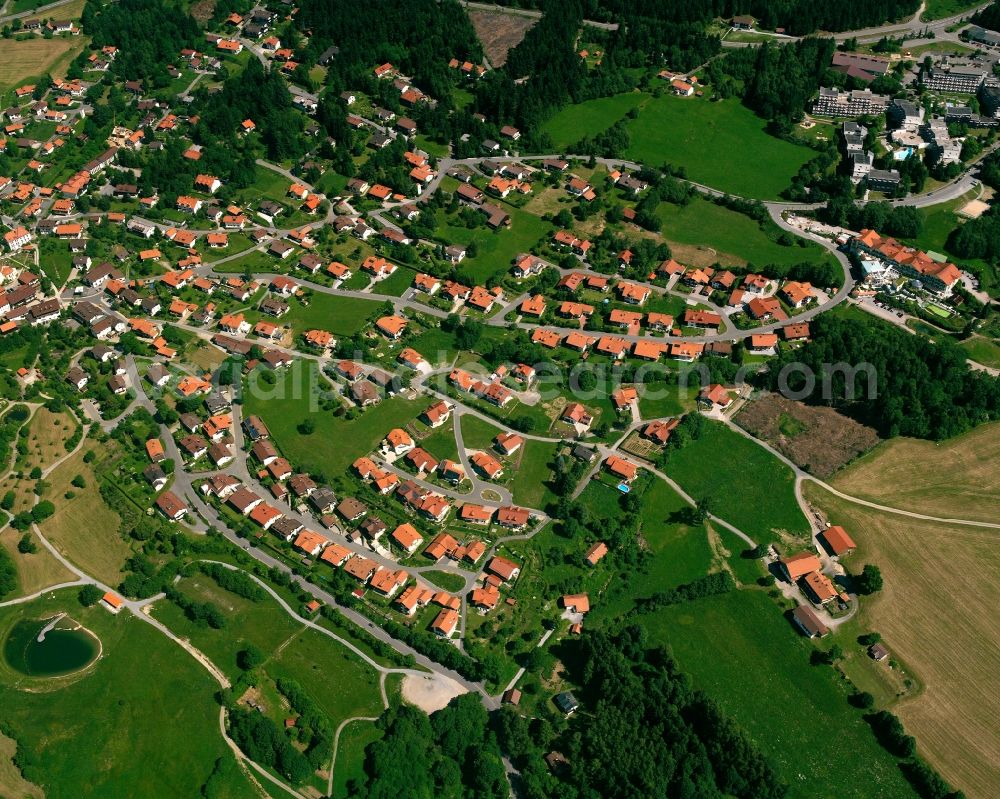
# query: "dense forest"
149,35
989,17
417,36
260,94
655,33
645,732
904,384
450,755
8,573
544,72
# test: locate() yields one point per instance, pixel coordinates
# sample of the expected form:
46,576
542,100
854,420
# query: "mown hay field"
955,479
937,616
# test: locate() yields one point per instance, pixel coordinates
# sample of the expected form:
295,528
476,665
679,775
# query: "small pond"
61,651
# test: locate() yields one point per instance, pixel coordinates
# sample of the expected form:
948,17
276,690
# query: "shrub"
89,595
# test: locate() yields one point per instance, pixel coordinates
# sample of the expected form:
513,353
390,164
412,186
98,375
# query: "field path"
336,744
899,511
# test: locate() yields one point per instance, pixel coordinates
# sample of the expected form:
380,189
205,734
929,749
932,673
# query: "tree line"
980,238
799,17
264,742
921,388
893,220
645,732
989,17
709,585
235,582
775,81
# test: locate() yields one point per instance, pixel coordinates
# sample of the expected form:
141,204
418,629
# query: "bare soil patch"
698,255
430,692
208,359
499,32
202,11
817,439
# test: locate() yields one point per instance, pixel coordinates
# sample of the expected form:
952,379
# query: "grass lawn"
263,623
478,433
55,260
324,450
589,118
444,580
269,185
47,433
601,499
977,348
906,473
253,261
333,676
293,650
741,651
15,358
432,148
437,346
343,316
940,47
441,441
677,401
170,747
495,250
982,350
237,243
12,783
677,552
207,358
936,619
350,765
84,529
530,469
530,478
746,485
19,6
552,564
720,144
397,283
730,237
939,220
331,184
